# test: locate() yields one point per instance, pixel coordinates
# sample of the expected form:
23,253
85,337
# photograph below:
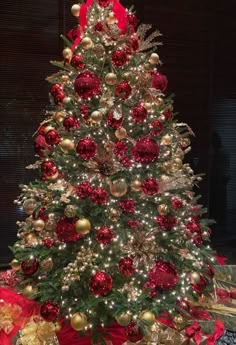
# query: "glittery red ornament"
163,275
70,122
120,148
132,224
104,3
134,43
41,130
114,122
176,203
87,85
132,20
98,27
168,114
74,34
139,113
157,128
127,206
196,238
65,230
99,196
194,227
77,62
30,266
145,150
104,235
52,137
55,89
166,222
150,186
123,90
126,266
133,332
48,168
159,81
49,311
40,146
84,110
119,58
48,242
125,161
100,284
84,190
9,279
200,287
86,148
59,98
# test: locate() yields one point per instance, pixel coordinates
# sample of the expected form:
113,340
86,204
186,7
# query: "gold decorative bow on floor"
9,316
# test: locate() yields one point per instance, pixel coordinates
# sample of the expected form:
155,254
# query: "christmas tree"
114,231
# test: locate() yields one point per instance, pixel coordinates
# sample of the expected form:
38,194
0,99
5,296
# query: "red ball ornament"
196,238
30,266
65,230
125,161
48,242
70,122
166,222
133,224
126,266
99,196
86,148
139,113
55,89
176,203
84,110
84,190
150,186
114,122
132,20
74,34
159,81
77,62
200,287
104,235
98,27
104,3
100,284
163,275
123,90
157,128
133,332
119,58
49,311
145,150
134,43
192,226
168,114
87,85
40,146
127,206
120,148
48,168
52,137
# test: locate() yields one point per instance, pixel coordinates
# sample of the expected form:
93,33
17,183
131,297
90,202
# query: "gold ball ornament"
15,265
46,265
154,59
31,239
83,226
121,133
87,43
179,154
111,79
75,10
176,164
127,75
39,225
48,128
118,188
114,215
148,106
124,319
79,321
111,19
166,140
70,211
29,291
67,53
163,209
51,224
57,327
148,316
67,145
136,185
96,116
59,116
195,278
29,206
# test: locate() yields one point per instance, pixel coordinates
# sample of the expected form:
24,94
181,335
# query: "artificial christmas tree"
114,232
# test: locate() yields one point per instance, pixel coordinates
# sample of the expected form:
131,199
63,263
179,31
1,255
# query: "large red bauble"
77,62
87,85
100,284
150,186
103,3
70,122
176,203
49,311
159,81
163,275
99,196
113,122
48,168
84,190
104,235
86,148
123,90
139,113
52,137
119,58
126,266
65,230
145,150
30,266
194,227
133,332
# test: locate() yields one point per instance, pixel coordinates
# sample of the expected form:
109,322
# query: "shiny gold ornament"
124,319
59,116
15,265
111,19
67,145
163,209
70,211
121,133
29,291
67,53
58,326
154,59
79,321
111,79
96,116
114,215
148,316
39,225
31,239
48,128
148,106
75,10
118,188
87,43
83,226
195,278
29,206
166,140
136,185
46,265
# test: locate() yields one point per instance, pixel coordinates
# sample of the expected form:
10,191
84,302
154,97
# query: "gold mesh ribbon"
9,316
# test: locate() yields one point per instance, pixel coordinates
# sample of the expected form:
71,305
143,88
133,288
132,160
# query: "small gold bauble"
111,79
124,319
154,59
39,225
75,10
79,321
185,142
163,209
70,211
15,265
166,140
67,53
83,226
121,133
148,316
46,265
59,116
176,164
29,291
118,188
31,239
96,116
57,327
148,106
87,43
67,145
195,278
136,185
111,19
29,206
53,177
47,129
127,75
114,215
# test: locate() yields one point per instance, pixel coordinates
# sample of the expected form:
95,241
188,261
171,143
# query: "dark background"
199,56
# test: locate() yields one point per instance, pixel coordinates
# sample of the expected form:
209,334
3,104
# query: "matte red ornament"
145,150
100,284
105,235
65,230
113,122
127,206
86,148
123,90
159,81
84,190
48,168
30,266
77,62
120,148
163,275
150,186
139,113
104,3
52,137
166,222
87,85
133,332
99,196
119,58
40,146
49,311
157,128
126,266
70,123
176,203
